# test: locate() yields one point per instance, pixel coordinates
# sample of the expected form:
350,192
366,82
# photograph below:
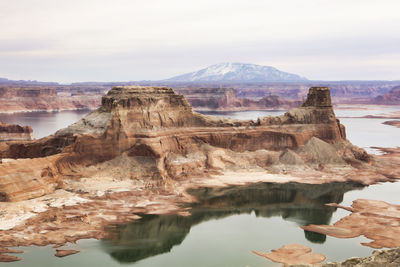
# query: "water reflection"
299,203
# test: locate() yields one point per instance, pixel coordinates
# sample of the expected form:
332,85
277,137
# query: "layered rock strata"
13,132
156,128
226,99
27,98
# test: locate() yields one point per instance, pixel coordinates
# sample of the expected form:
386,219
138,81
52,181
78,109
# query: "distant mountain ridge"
237,72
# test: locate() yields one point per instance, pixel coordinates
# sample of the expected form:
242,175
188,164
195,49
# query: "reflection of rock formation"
10,132
155,235
158,134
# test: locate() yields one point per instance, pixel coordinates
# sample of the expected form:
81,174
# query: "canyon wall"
22,98
390,98
153,133
19,97
227,99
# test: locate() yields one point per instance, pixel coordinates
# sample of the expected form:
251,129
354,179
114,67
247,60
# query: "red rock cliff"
163,138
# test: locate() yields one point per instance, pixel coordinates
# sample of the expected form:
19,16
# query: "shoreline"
86,214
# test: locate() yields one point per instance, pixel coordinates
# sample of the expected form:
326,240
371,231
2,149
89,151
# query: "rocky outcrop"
157,134
13,132
383,258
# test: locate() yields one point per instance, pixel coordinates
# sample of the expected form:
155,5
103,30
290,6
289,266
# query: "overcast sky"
122,40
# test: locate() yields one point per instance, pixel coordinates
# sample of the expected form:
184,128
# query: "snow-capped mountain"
237,72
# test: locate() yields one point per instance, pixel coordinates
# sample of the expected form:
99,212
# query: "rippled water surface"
227,224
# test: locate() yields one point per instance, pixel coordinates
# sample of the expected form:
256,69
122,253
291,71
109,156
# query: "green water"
224,228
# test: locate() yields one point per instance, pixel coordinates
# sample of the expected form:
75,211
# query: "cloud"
131,39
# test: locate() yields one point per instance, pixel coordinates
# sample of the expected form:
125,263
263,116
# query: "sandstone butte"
144,148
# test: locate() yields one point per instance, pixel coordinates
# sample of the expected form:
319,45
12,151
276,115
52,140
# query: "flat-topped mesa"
139,107
14,132
142,97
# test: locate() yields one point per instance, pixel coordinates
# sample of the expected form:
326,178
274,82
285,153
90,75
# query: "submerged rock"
293,254
376,220
64,252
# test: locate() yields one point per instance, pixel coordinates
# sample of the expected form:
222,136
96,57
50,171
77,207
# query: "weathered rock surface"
383,258
13,132
376,220
156,126
4,257
293,254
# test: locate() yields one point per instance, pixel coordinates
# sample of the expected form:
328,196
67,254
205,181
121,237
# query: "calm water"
44,123
228,223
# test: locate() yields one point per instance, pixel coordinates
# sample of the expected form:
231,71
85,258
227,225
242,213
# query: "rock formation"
293,254
143,151
390,98
157,132
376,220
26,98
226,99
13,132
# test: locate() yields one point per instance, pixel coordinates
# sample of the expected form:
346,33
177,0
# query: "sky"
130,40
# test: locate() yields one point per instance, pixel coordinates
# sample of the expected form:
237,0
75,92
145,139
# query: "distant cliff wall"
390,98
12,132
40,98
226,99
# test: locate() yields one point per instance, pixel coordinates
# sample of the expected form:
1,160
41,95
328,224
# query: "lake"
228,223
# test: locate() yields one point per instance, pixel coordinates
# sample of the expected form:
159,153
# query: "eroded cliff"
157,134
